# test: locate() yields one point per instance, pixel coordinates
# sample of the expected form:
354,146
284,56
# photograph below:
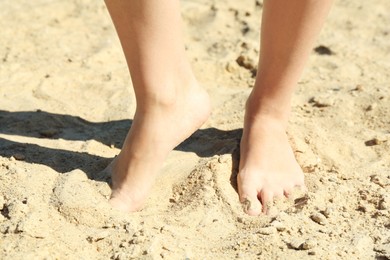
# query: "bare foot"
156,130
268,168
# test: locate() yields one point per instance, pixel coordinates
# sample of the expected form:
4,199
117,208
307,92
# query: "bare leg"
170,104
268,168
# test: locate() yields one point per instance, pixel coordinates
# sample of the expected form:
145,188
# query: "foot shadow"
40,124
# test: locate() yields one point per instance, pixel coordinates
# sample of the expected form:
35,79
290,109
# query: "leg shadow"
57,159
40,124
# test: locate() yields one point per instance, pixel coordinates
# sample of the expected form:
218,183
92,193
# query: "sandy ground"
67,103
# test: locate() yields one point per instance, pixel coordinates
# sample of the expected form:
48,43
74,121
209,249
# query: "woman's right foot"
156,130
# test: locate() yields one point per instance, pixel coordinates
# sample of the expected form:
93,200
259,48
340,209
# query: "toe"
288,192
118,204
122,201
266,198
250,203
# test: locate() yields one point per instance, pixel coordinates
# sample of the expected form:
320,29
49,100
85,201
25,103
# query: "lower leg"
268,168
170,104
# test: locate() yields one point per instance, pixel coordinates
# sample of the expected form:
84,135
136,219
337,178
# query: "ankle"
165,95
268,109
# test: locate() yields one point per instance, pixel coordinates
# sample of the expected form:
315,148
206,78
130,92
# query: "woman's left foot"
268,168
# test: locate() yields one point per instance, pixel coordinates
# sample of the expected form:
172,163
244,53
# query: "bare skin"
171,105
268,168
152,136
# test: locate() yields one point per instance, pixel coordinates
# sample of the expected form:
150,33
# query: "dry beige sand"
67,103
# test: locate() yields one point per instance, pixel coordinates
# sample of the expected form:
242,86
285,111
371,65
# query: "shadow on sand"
39,124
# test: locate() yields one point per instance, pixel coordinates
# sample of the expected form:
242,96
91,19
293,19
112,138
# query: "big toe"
250,203
118,204
124,204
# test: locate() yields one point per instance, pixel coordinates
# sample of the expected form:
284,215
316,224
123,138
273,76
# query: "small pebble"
359,88
128,228
362,208
309,244
301,202
267,230
19,157
300,244
230,67
246,62
377,180
384,203
318,218
323,50
279,226
296,243
138,240
327,212
371,107
123,244
374,141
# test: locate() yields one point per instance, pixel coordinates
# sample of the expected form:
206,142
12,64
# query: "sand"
67,103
